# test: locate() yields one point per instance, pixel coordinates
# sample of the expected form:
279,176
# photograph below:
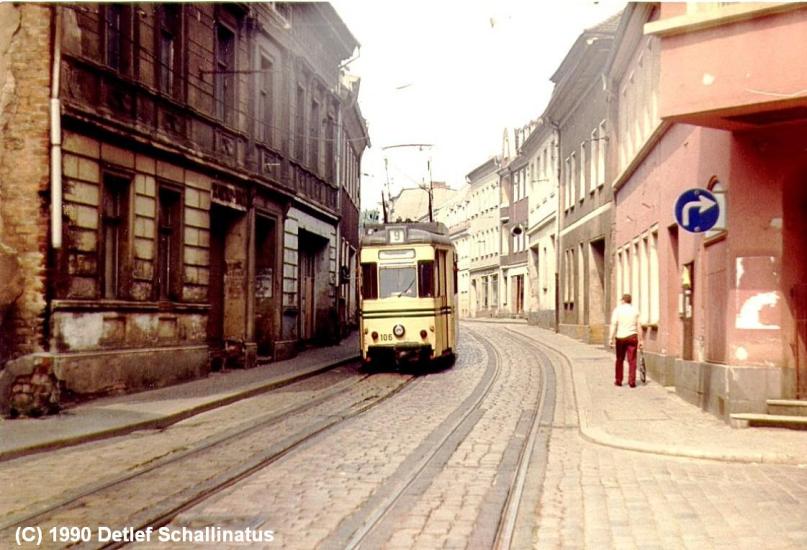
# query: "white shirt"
624,321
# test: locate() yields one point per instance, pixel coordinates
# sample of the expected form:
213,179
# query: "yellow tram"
408,294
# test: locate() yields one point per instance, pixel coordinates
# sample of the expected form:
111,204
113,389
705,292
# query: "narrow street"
488,453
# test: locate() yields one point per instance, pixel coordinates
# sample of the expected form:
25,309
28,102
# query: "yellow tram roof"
405,233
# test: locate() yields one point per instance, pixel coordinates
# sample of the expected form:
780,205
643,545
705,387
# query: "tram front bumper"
400,353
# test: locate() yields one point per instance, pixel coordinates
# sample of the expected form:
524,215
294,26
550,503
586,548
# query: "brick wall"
24,167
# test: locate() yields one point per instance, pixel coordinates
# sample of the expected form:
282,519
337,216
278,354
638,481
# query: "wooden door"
799,296
266,302
307,286
215,321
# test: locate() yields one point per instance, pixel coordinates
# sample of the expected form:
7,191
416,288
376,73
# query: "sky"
453,75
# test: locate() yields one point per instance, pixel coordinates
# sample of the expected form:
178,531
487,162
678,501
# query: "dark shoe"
618,384
632,385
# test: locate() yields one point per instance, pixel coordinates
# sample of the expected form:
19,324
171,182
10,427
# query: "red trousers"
626,346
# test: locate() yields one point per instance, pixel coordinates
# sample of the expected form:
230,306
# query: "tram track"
515,521
362,528
370,527
210,465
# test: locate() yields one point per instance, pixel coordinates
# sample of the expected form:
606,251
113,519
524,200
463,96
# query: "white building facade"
483,239
542,147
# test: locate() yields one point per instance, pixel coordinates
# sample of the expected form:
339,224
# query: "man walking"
626,333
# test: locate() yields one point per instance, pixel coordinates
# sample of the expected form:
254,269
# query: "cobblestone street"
488,452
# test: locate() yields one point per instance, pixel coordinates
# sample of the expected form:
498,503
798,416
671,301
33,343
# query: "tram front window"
397,282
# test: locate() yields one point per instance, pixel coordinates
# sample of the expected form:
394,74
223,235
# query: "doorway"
518,289
596,277
317,308
266,303
226,290
687,309
795,273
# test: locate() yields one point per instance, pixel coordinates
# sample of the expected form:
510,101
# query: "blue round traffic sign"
697,210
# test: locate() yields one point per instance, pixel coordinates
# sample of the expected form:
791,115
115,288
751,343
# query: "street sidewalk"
162,407
650,418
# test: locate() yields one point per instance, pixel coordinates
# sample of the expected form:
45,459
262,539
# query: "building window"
299,124
572,178
655,282
567,188
524,176
330,149
594,162
169,55
313,145
115,234
169,244
582,194
117,36
602,141
225,74
644,281
266,99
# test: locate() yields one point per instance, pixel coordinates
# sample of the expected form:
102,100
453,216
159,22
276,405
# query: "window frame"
369,280
266,97
168,283
426,280
225,83
170,83
116,226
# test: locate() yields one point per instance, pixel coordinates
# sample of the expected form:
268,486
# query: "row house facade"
190,167
454,214
354,139
483,212
514,183
541,150
698,104
578,112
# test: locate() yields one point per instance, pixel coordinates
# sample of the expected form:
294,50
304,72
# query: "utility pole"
430,188
383,200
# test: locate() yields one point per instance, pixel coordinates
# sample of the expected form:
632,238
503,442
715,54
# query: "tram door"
443,300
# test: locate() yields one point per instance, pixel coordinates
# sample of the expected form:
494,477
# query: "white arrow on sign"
703,204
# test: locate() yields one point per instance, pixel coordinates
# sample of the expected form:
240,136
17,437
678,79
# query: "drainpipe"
339,182
249,313
56,134
556,127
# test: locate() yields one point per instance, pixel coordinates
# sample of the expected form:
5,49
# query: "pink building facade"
722,106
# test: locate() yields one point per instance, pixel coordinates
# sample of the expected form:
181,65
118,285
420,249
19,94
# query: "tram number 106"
386,337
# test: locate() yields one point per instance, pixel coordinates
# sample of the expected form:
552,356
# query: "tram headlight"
398,330
423,334
374,335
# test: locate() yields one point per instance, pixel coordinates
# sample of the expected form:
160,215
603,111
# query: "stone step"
746,420
788,407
